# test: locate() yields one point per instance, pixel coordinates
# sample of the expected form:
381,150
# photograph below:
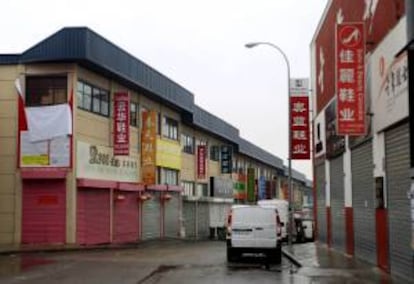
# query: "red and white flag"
22,118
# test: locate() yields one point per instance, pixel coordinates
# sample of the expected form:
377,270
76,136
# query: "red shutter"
126,216
44,211
93,216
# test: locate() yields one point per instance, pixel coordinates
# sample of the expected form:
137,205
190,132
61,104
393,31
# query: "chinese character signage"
148,146
121,124
226,159
299,119
261,187
99,163
201,161
350,78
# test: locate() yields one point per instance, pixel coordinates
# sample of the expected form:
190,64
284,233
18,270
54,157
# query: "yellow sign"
35,160
168,154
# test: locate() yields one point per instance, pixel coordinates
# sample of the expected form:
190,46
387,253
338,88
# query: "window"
168,176
188,188
169,128
92,98
215,153
188,143
42,91
134,117
202,189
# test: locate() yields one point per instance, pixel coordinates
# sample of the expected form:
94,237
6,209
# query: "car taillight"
278,227
229,219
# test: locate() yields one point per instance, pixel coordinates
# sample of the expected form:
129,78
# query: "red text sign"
299,121
121,124
350,78
201,161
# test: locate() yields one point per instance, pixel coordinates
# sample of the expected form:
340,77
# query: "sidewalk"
317,261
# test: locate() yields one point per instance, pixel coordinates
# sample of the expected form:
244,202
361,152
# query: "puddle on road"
14,264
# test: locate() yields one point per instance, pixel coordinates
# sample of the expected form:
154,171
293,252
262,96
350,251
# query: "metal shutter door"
203,220
337,203
363,202
172,214
93,216
126,216
189,215
397,153
151,217
44,211
321,200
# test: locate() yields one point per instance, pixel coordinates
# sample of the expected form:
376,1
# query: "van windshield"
253,216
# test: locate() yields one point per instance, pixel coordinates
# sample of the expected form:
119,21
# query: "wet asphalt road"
157,262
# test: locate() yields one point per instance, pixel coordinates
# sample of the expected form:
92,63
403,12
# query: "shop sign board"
168,154
350,78
201,161
148,146
121,123
226,159
99,162
299,119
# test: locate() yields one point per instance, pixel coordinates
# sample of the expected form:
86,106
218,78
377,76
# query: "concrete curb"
292,258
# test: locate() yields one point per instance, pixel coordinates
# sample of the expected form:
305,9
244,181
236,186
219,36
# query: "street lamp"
254,44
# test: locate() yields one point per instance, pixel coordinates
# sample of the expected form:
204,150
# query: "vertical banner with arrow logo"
350,78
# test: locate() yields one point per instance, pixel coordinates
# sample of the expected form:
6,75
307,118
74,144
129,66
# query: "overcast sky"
198,44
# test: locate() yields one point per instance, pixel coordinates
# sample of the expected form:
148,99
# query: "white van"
253,229
282,207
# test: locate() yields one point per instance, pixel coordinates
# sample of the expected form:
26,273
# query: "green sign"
250,185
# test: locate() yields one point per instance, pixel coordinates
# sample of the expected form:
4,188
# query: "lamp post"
254,44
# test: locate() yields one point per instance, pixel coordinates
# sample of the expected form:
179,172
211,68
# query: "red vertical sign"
201,161
299,119
121,123
350,78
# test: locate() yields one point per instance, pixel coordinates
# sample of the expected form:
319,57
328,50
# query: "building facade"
362,183
98,147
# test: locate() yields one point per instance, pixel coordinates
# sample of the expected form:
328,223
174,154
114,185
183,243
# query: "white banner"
47,122
98,162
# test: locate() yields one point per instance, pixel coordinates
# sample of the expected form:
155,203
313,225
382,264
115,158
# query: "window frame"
92,98
54,83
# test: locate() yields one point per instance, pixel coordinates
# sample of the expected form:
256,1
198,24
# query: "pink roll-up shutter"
126,216
44,211
93,216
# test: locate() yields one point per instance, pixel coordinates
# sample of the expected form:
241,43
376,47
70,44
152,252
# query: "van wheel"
231,255
275,256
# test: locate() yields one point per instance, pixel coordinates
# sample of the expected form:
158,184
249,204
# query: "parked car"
253,229
308,229
282,207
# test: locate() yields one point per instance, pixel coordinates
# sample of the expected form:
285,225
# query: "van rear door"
254,227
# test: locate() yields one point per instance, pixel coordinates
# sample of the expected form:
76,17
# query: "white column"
327,183
347,174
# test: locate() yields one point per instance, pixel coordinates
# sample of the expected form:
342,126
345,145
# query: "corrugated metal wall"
337,203
172,215
321,202
203,213
398,184
44,211
126,217
363,202
151,217
189,216
93,216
